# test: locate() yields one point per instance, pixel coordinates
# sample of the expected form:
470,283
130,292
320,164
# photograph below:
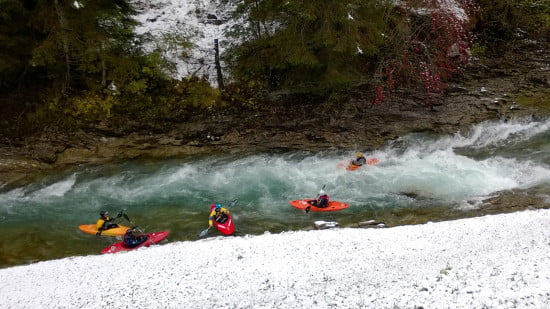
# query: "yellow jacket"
214,214
101,222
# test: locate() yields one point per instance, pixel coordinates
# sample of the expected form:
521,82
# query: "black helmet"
104,213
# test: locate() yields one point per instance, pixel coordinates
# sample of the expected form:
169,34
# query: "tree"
505,21
307,46
67,44
17,40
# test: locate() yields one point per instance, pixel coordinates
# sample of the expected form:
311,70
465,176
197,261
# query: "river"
419,178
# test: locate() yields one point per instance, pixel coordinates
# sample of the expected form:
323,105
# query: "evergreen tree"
306,45
17,41
89,38
66,45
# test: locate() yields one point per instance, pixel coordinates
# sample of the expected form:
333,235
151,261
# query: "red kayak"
226,227
332,205
352,167
152,239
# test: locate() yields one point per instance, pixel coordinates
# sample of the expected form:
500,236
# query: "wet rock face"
44,152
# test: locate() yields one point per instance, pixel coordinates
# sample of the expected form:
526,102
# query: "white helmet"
321,192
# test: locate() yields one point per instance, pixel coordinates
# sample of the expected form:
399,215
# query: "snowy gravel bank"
499,261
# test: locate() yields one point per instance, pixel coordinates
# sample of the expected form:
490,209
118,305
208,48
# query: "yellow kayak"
92,229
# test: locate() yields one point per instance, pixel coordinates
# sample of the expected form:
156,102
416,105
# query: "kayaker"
105,222
322,200
359,159
218,214
131,240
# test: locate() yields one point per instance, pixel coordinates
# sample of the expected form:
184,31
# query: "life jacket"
323,200
132,240
100,224
359,161
214,215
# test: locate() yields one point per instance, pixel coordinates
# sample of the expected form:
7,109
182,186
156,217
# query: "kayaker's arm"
100,225
211,217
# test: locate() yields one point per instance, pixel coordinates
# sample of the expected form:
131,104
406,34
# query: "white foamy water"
448,169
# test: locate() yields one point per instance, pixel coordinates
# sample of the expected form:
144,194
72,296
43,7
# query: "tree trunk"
103,67
22,78
66,49
218,66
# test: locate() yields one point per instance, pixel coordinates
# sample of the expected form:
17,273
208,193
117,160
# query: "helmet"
218,205
322,192
104,213
359,154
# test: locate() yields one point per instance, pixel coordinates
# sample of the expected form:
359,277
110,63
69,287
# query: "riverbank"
497,261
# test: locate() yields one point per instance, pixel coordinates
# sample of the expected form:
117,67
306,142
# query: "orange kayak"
91,229
352,167
332,205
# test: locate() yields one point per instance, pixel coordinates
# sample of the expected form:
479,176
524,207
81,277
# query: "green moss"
539,100
478,50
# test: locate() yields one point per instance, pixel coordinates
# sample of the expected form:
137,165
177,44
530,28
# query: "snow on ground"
201,21
499,261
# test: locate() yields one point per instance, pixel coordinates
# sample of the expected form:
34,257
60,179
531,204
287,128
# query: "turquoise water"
419,177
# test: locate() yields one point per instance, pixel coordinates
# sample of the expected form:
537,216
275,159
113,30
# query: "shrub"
505,21
432,42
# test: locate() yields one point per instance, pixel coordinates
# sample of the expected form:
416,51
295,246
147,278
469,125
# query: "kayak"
227,227
152,239
332,205
91,229
352,167
372,161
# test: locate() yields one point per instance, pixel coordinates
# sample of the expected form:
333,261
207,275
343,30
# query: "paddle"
204,232
231,204
308,208
132,223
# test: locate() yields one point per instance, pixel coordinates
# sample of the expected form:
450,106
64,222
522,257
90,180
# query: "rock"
44,153
321,225
371,223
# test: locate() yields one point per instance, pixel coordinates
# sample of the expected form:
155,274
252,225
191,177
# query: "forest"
68,63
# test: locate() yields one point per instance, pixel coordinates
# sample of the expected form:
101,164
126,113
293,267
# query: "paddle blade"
233,203
203,233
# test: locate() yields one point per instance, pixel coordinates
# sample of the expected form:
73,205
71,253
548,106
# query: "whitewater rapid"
418,178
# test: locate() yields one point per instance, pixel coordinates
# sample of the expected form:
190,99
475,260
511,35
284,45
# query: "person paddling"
131,240
359,159
218,214
105,222
322,200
